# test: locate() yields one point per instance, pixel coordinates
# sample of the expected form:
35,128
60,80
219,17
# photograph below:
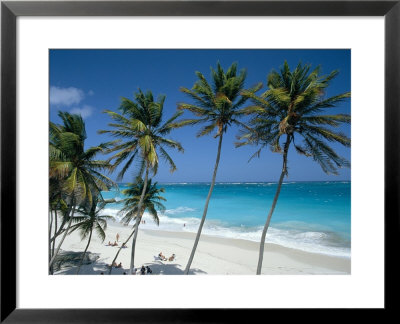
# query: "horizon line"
247,181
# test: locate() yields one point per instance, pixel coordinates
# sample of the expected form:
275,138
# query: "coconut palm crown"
142,133
151,201
74,167
92,218
293,107
217,105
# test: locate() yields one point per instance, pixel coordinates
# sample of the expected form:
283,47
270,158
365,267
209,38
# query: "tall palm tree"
142,132
75,168
293,108
218,106
151,202
90,220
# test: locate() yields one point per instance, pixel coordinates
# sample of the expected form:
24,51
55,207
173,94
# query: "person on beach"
148,270
171,258
115,243
109,244
162,257
143,270
117,237
119,265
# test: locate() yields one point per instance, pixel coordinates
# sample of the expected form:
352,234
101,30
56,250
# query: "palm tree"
151,202
91,220
76,170
218,106
293,108
142,130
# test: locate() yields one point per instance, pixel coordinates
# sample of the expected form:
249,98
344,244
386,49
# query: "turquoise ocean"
309,216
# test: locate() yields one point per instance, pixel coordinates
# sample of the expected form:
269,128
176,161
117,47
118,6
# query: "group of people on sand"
115,265
142,271
115,242
112,244
163,258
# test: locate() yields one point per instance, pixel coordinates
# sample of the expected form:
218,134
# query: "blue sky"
89,81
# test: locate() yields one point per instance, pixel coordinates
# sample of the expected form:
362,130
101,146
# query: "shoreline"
214,255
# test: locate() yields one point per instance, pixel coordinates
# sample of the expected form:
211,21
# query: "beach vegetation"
75,174
215,104
294,112
152,203
141,132
91,218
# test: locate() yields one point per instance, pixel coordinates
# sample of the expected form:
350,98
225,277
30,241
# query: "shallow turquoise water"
312,216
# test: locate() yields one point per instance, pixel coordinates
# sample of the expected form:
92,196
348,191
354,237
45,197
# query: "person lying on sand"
109,244
162,257
171,258
115,243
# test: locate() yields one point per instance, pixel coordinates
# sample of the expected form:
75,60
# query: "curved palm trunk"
53,243
55,231
60,230
50,250
63,238
50,227
119,250
278,190
138,221
196,242
84,252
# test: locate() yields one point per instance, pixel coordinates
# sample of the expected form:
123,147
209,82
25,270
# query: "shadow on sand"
94,265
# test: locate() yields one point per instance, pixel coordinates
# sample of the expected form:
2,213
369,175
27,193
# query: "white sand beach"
214,255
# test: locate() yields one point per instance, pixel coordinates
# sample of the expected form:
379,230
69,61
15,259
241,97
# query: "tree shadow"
68,261
170,268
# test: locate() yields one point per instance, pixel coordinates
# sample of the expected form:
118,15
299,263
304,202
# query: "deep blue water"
312,216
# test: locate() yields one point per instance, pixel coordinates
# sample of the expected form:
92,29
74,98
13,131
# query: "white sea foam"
179,210
291,235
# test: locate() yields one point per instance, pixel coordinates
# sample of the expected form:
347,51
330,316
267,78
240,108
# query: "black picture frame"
10,10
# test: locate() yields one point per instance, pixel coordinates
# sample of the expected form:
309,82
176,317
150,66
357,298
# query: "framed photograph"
205,144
